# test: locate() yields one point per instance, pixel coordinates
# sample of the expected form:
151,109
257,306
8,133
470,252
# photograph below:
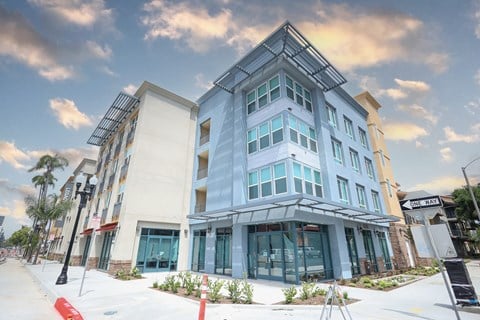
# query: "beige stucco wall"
159,179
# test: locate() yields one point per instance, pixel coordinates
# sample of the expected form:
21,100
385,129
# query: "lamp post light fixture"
85,195
475,204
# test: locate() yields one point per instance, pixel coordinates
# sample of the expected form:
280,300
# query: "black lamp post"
85,195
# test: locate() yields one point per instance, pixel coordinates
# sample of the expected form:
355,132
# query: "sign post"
424,206
95,224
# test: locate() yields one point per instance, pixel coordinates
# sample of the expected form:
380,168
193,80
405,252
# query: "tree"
48,164
19,238
45,212
465,209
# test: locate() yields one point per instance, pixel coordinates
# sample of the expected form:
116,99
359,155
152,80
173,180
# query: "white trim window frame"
297,92
376,201
332,116
263,94
349,127
343,194
337,151
276,125
363,138
280,178
307,179
267,181
361,196
252,141
369,168
253,191
274,88
264,135
355,160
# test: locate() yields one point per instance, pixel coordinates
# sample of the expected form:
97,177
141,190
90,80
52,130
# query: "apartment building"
61,231
284,185
401,244
144,175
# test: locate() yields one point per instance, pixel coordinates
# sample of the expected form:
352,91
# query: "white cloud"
184,21
473,107
477,77
19,41
10,154
98,51
440,185
68,114
438,62
201,83
418,144
402,131
452,136
130,89
419,112
83,13
476,17
108,71
413,85
446,154
395,94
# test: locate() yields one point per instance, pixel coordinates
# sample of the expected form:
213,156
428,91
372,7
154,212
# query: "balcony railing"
107,158
200,207
117,150
103,219
202,173
116,211
204,139
130,136
99,167
123,172
100,186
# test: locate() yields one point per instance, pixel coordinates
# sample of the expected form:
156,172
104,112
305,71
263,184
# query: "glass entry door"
158,256
369,249
270,256
85,251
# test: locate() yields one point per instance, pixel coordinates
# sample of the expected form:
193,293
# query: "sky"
63,62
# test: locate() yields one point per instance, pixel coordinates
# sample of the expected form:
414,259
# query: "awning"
290,43
107,227
303,202
86,232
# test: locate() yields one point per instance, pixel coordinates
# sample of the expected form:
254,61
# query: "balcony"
100,186
111,179
123,172
204,139
204,132
130,136
201,200
103,219
99,167
117,150
108,157
116,211
85,223
202,173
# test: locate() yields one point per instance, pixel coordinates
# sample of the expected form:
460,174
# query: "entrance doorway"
85,250
370,250
104,258
157,250
270,256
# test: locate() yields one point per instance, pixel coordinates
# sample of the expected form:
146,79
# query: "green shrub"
155,284
289,294
247,292
234,290
214,290
306,290
319,292
345,295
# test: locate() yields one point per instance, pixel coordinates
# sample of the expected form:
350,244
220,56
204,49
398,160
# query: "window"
253,185
361,196
277,130
363,137
307,180
348,127
267,181
264,133
343,190
389,188
274,85
302,134
337,151
263,94
369,168
332,116
382,157
252,140
280,176
259,138
376,202
298,93
355,160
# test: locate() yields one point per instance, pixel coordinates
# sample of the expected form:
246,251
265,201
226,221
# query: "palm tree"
47,163
45,212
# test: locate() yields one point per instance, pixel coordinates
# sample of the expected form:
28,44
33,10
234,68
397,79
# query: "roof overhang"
118,111
304,202
86,232
107,227
290,43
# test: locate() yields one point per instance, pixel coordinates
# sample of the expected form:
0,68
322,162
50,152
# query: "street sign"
421,203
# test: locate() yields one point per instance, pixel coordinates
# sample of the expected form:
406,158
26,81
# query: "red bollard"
203,298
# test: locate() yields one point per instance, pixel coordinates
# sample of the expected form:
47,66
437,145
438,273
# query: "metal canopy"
289,42
303,202
118,111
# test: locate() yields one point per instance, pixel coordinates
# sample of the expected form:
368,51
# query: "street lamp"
85,195
470,187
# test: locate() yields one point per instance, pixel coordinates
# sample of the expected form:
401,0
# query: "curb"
66,310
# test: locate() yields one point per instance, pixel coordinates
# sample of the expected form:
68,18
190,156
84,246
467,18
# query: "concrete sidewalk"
104,297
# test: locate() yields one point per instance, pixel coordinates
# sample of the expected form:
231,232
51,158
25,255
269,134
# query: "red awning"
87,231
107,226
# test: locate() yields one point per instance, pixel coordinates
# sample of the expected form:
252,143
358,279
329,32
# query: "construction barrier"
66,310
203,298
